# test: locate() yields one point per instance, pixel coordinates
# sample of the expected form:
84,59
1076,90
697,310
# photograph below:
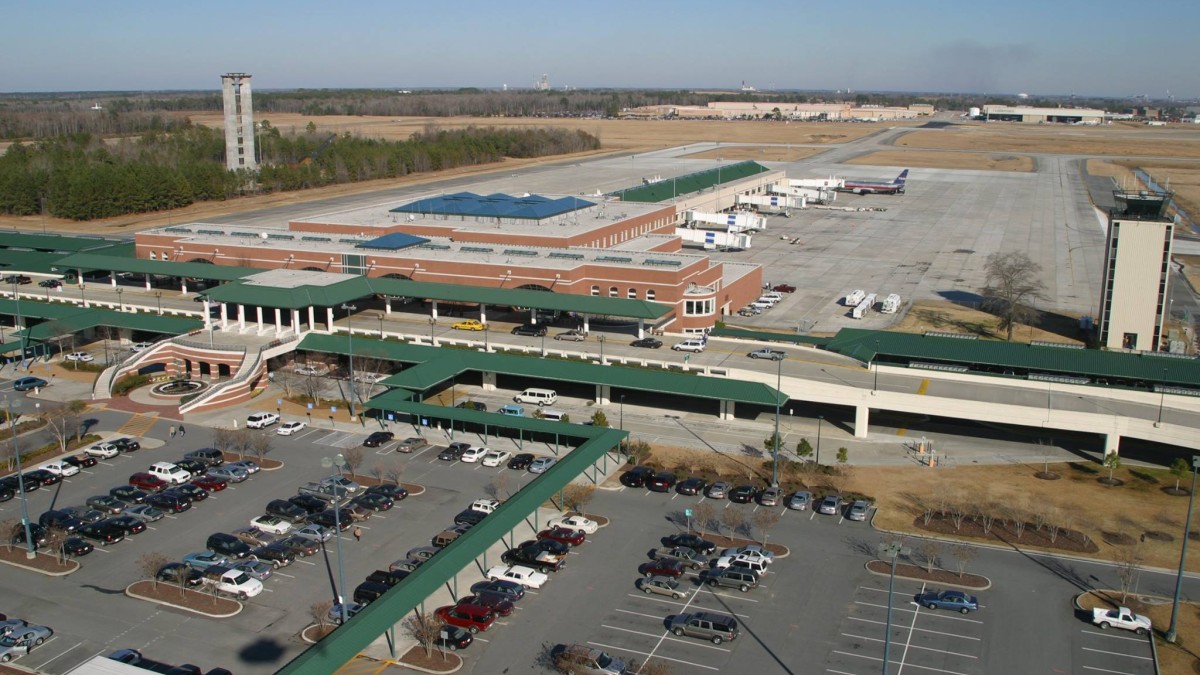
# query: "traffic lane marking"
1106,670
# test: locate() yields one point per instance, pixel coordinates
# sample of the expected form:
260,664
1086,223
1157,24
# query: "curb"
42,571
304,634
419,489
867,566
421,669
156,601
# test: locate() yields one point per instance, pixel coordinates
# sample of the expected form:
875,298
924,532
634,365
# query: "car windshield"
8,641
241,578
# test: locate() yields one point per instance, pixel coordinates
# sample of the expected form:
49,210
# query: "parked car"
412,444
145,513
129,525
271,524
103,450
521,461
344,610
566,535
783,288
473,454
661,585
453,638
572,336
953,600
743,494
732,577
248,465
718,490
389,490
49,283
129,494
60,520
341,519
691,486
261,420
453,452
85,513
662,481
830,504
28,383
21,641
275,553
386,577
694,346
495,457
378,438
509,589
227,545
500,605
206,559
148,482
472,405
518,574
171,502
637,476
139,347
369,591
309,503
102,532
255,569
190,490
209,457
574,523
662,567
210,482
647,342
289,428
42,477
230,474
374,501
690,540
750,552
858,510
542,464
38,533
470,617
82,461
800,500
711,626
580,658
77,546
533,329
300,545
81,357
126,444
193,467
180,574
769,497
314,532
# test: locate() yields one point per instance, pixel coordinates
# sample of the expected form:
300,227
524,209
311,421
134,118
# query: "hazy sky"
1035,46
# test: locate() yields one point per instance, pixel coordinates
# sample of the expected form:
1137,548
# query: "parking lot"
1114,651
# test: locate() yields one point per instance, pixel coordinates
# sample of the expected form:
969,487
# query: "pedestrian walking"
358,534
172,431
182,431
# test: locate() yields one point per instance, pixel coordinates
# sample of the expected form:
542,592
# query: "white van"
538,396
553,415
694,346
170,473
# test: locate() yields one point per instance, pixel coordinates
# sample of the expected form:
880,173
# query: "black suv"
286,510
521,461
637,476
207,456
227,545
17,279
60,520
472,405
534,329
469,517
662,481
368,591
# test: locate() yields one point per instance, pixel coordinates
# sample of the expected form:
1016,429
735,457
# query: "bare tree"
734,518
930,551
8,455
424,628
289,379
764,520
394,471
64,421
958,512
9,530
354,459
376,471
56,540
1129,566
963,555
150,562
1015,515
260,445
703,514
311,386
1011,286
319,611
1054,515
224,439
577,495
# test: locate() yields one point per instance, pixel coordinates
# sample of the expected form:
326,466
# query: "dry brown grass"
1138,506
771,153
946,160
1058,140
946,316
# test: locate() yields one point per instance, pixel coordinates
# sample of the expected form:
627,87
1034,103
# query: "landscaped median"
206,604
42,563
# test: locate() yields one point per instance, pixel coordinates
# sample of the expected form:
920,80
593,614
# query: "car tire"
743,588
6,658
1140,631
647,574
242,596
678,631
647,590
473,630
965,610
38,642
931,605
716,639
713,583
1104,625
453,648
695,566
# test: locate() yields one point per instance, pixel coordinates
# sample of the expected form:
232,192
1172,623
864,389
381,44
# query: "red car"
210,483
563,534
148,482
663,567
472,617
784,288
500,605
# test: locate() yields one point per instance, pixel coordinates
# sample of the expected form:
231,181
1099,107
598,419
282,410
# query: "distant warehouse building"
1005,113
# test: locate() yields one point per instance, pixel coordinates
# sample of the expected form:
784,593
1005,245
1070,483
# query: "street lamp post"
775,439
336,463
158,299
1162,396
350,345
621,424
29,552
432,323
120,302
486,347
82,296
381,326
17,326
1187,529
890,551
820,421
600,339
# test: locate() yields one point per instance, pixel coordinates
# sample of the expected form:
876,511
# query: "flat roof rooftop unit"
525,207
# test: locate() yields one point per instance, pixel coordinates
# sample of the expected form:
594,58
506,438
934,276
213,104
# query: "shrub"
127,384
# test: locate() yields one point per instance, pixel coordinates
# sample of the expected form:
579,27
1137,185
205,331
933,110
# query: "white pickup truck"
1121,617
232,582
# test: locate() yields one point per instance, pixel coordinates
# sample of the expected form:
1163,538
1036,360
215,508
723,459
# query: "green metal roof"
380,616
862,344
32,309
769,336
670,188
55,243
113,263
360,287
615,375
61,318
33,262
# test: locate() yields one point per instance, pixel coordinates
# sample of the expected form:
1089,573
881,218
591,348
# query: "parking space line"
646,598
1106,670
648,616
928,649
1115,637
281,574
923,630
1128,656
927,614
43,664
728,595
647,654
906,665
630,630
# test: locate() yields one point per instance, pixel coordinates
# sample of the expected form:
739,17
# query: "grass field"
943,315
947,160
1095,141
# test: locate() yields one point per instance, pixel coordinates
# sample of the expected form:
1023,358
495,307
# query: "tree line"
82,177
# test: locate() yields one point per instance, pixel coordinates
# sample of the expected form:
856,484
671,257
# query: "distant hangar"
1005,113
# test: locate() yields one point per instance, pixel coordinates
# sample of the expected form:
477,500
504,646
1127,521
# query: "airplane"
865,187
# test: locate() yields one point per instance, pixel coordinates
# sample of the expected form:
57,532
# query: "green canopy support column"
391,640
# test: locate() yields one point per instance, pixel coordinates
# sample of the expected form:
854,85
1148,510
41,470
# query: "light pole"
1187,528
158,299
350,345
8,404
336,463
17,326
120,302
621,424
432,323
380,325
486,347
1162,396
775,439
820,421
875,358
600,339
890,551
82,296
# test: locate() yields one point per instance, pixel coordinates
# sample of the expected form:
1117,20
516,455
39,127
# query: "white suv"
261,420
695,346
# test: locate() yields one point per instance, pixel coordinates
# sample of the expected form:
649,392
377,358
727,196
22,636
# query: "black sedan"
521,461
180,574
743,494
637,476
106,504
689,540
6,493
691,486
171,502
49,283
331,519
39,534
373,501
508,589
453,638
191,491
127,444
472,405
42,477
282,508
550,546
103,533
309,503
130,525
60,520
389,490
129,494
84,513
77,546
647,342
193,466
532,329
662,481
453,452
378,438
14,481
81,461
